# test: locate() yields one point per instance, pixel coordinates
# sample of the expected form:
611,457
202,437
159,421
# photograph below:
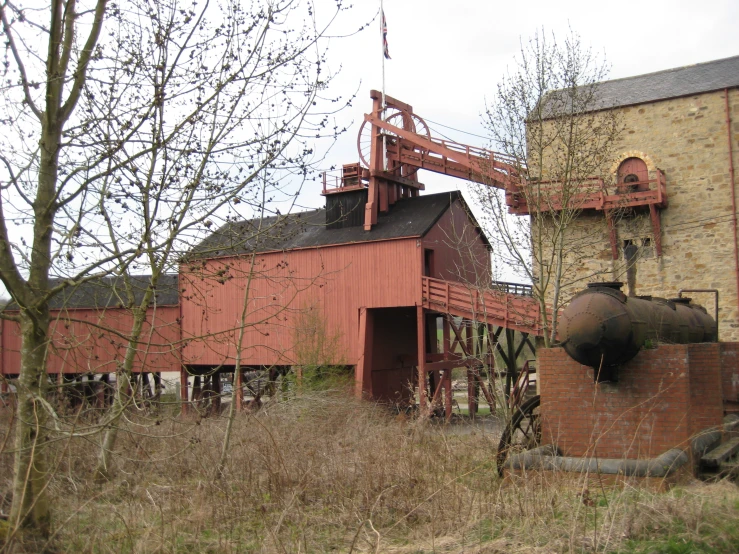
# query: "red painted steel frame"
405,148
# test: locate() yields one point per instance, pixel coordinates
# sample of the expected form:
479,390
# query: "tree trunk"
121,399
30,507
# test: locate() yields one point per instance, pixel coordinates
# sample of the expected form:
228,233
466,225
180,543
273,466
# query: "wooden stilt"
107,389
196,389
184,393
145,386
448,394
421,336
363,374
215,392
157,386
472,393
237,394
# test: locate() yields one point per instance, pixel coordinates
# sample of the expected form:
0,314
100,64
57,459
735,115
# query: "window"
428,262
638,248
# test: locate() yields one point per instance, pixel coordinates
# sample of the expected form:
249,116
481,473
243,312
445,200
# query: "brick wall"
730,371
663,397
706,395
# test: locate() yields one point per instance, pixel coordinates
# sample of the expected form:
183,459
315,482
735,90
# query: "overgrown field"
324,473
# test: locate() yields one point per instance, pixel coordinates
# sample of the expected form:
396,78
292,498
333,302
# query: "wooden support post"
215,388
510,359
145,386
157,386
469,327
184,393
99,392
472,393
421,336
384,196
435,386
486,393
363,374
448,394
237,393
299,375
196,389
106,389
377,164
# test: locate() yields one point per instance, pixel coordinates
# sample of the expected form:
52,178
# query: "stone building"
681,127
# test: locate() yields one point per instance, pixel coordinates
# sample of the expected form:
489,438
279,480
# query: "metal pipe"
545,457
733,192
714,291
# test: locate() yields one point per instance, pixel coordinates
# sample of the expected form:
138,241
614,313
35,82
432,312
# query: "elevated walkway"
493,307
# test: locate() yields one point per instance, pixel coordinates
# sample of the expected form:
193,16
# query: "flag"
384,37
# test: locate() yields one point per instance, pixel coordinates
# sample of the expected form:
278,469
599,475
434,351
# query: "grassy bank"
324,473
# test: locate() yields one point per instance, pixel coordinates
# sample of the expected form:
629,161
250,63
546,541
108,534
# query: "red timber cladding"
94,341
663,397
459,253
290,291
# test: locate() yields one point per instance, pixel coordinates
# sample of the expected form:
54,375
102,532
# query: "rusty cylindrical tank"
603,328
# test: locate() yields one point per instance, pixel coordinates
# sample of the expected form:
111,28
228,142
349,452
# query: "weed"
323,472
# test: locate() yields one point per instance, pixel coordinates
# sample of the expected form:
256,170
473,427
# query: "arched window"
633,175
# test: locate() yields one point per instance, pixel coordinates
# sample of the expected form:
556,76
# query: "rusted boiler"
603,328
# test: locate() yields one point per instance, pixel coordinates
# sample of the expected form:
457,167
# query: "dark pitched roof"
108,292
409,217
650,87
670,83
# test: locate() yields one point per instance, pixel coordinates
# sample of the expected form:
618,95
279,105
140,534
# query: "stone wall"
687,139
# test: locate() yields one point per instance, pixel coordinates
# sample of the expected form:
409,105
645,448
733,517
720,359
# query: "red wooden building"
89,330
352,283
367,272
361,288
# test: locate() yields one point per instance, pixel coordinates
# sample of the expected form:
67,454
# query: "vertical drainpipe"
732,182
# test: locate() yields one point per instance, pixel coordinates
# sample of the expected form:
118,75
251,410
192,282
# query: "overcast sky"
448,56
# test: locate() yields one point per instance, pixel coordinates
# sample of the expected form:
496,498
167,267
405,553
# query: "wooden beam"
421,343
387,176
363,374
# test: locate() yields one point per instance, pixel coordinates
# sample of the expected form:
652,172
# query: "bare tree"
130,130
548,120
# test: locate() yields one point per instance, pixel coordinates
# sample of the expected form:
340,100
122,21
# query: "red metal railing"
349,177
485,305
547,196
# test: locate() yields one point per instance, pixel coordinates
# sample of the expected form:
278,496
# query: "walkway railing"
492,306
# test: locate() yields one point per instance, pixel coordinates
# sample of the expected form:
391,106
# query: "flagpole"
384,102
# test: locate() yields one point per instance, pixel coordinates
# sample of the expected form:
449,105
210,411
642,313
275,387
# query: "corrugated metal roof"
409,217
108,292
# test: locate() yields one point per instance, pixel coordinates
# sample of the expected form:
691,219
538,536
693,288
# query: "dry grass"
324,473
